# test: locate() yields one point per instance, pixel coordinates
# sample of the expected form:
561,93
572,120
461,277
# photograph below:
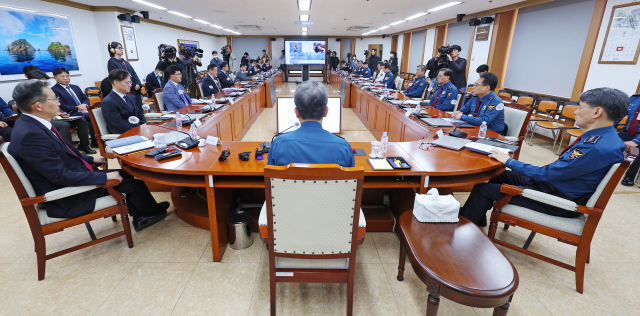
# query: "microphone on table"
457,133
267,146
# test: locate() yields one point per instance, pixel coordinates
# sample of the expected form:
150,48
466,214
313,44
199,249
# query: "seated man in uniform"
419,83
174,95
388,80
446,96
243,74
575,175
50,163
366,71
630,135
210,83
118,108
484,106
310,143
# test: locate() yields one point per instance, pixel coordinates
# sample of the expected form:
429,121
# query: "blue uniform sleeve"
350,161
564,168
466,108
487,116
5,108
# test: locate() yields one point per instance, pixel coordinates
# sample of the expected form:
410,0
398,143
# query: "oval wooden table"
457,261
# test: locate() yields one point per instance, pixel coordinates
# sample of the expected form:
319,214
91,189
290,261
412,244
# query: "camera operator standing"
229,57
167,54
117,62
454,62
190,61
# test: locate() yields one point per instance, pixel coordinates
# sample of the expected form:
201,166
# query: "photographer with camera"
191,59
229,57
117,62
449,57
167,55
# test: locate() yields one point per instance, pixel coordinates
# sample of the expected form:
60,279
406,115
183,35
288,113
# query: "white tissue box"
436,208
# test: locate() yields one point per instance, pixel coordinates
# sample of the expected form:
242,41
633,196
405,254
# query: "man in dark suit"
210,83
118,109
223,76
50,163
72,100
374,58
154,80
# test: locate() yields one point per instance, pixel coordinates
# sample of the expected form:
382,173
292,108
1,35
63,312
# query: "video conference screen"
305,52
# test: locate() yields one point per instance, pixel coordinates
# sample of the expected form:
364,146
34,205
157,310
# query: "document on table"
485,149
133,147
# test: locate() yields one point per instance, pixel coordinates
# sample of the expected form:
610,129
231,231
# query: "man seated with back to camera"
210,83
50,163
174,94
419,83
446,96
310,143
484,106
118,108
575,175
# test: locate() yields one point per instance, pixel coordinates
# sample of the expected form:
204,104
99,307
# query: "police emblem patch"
491,107
592,139
421,84
576,153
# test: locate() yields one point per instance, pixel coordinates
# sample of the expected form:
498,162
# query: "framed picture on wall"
182,44
622,40
130,46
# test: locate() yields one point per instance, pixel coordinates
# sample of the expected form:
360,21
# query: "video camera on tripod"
190,52
168,51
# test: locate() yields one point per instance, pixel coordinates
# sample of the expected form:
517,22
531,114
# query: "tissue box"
436,208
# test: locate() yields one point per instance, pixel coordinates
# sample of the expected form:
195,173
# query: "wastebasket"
239,230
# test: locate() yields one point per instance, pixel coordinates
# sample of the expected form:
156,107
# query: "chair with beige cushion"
312,216
102,133
577,231
41,224
158,100
516,116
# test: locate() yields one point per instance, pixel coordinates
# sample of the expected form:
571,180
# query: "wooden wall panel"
441,38
503,27
394,43
589,48
406,51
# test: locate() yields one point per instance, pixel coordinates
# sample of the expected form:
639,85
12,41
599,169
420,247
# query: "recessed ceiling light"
151,5
201,21
304,33
384,27
304,5
416,16
216,26
304,23
444,6
228,30
397,22
304,29
179,14
304,17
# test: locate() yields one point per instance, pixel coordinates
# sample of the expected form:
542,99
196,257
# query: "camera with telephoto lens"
444,51
191,52
223,50
168,50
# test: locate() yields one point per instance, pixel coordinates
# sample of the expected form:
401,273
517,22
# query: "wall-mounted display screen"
305,52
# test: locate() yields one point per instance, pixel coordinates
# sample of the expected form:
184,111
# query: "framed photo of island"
130,46
35,38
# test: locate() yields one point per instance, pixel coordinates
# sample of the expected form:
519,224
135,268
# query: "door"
378,48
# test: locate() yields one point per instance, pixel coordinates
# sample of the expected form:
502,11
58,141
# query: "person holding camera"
484,106
373,59
191,60
117,62
229,57
457,65
168,58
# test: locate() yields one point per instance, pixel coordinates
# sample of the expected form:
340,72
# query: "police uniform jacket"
388,81
633,113
210,86
447,96
310,144
580,169
225,80
416,87
491,111
366,72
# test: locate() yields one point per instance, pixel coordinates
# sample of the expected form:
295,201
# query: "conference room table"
204,189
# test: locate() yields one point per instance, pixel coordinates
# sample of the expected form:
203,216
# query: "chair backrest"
158,99
94,99
568,112
526,99
605,189
622,123
302,217
544,105
92,91
200,92
457,105
470,88
505,93
97,119
19,180
516,116
399,83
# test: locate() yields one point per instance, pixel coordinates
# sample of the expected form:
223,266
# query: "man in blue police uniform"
446,96
252,71
223,75
419,83
210,83
388,80
310,143
630,135
366,71
575,175
484,106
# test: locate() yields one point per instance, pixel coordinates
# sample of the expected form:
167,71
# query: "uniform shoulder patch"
491,107
500,107
592,139
576,153
422,84
449,94
491,98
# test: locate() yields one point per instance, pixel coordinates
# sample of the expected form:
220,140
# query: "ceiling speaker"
486,20
145,14
474,22
124,17
459,17
273,39
384,35
338,39
135,19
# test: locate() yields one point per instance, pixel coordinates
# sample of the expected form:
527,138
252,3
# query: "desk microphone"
456,133
267,146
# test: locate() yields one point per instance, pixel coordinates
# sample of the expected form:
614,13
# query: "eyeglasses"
119,47
55,99
128,83
477,85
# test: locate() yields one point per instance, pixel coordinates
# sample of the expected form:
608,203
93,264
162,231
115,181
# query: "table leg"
501,310
218,204
433,304
401,262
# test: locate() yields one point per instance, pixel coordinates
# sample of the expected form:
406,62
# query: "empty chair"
102,133
158,100
545,110
566,120
526,99
505,93
516,116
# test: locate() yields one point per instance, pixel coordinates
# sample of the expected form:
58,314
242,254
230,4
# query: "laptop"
450,142
437,122
173,137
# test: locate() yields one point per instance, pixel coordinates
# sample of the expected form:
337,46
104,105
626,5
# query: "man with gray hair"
50,163
575,175
310,143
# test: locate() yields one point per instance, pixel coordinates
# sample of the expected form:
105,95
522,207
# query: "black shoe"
86,149
627,182
94,144
483,221
164,206
147,221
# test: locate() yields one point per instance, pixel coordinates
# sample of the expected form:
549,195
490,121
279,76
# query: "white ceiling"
277,17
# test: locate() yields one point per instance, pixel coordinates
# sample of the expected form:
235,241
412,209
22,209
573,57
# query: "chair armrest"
510,190
110,136
591,211
550,199
66,192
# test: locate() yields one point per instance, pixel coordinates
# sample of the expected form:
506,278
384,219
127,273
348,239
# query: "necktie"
73,95
128,102
572,144
633,126
184,98
437,97
411,85
86,164
217,84
159,80
477,108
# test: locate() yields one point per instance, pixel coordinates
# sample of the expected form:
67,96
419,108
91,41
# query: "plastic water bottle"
178,121
385,141
483,130
193,132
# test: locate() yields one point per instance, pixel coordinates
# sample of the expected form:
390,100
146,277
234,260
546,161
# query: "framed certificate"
130,46
622,40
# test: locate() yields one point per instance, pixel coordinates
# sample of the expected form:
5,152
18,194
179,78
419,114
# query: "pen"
136,152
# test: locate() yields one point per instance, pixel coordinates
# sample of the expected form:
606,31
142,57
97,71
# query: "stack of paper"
485,149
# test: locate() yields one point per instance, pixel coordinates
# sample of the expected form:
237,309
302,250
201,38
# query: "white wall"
479,55
334,46
623,77
86,40
428,45
417,47
276,51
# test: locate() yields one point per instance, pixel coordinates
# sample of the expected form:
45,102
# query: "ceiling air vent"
358,28
248,27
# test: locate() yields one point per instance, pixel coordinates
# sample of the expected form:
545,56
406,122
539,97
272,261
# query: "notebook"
133,147
115,143
379,164
173,137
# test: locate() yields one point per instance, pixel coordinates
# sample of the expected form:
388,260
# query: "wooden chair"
623,122
505,93
199,91
516,116
566,120
102,133
158,100
545,110
41,224
576,231
526,99
314,238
